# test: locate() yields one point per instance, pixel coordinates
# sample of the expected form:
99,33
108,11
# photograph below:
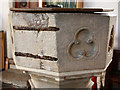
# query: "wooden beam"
64,10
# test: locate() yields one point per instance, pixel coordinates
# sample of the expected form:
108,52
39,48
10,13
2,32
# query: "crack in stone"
35,28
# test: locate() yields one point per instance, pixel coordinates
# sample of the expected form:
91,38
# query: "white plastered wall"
0,15
4,24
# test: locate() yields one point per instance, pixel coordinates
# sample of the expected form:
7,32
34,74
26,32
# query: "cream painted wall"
4,11
0,15
119,25
40,3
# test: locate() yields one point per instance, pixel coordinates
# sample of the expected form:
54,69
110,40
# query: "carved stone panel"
83,46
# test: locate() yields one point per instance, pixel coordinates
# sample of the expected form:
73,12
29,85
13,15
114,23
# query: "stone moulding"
84,73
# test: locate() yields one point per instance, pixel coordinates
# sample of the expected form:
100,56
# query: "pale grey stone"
83,44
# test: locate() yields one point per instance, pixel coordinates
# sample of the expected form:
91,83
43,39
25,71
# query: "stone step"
15,77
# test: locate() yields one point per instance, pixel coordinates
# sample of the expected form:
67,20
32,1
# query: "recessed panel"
83,45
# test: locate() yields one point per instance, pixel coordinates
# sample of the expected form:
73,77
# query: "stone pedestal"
62,50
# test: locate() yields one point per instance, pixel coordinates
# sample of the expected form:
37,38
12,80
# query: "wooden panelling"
79,4
26,4
34,4
1,50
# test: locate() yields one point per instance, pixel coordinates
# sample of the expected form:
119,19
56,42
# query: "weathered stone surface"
99,28
28,62
37,64
44,82
37,20
37,43
15,77
83,46
82,43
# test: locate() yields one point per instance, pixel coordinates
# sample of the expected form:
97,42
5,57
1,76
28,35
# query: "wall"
4,11
119,25
0,15
40,3
106,4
